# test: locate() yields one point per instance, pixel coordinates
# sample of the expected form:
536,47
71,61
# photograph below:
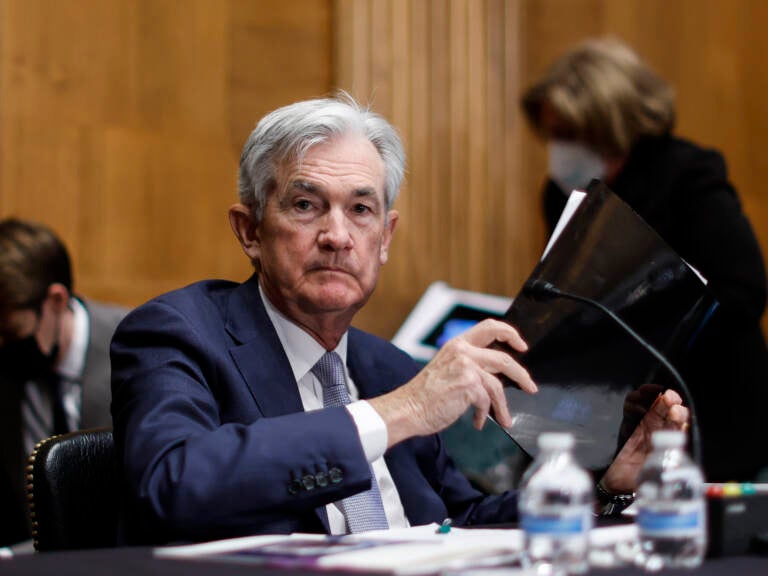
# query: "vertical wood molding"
449,74
121,122
443,77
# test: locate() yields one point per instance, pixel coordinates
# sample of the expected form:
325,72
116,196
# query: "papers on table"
410,551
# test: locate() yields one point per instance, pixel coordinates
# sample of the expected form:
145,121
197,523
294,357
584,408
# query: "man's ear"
246,231
389,231
58,297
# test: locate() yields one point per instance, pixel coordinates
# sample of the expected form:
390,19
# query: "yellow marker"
731,489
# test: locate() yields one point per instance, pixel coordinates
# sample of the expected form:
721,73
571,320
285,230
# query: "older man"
256,408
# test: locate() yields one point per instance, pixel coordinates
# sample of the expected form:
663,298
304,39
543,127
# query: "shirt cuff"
370,427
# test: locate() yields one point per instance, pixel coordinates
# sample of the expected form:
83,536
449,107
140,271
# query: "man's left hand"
666,413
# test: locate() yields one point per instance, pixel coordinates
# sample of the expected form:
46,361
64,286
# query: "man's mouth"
331,269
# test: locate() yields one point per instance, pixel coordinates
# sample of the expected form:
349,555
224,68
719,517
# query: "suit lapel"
261,360
258,354
371,377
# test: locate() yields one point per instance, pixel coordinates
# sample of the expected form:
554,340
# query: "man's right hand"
463,373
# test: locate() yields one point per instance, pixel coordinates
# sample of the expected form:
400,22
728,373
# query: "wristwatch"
612,504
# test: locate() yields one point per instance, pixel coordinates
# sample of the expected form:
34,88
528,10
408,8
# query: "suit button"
294,487
322,479
335,475
308,482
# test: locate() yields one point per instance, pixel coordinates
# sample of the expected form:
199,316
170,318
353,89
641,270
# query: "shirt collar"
72,365
302,349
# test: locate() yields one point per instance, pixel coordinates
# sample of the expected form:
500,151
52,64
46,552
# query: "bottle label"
670,523
555,524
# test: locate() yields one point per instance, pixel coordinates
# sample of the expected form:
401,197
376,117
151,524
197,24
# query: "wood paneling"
123,121
446,73
449,74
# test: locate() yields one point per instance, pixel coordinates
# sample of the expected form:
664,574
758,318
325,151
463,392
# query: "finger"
660,407
679,416
656,414
499,362
668,404
489,331
667,412
498,400
481,400
486,393
671,397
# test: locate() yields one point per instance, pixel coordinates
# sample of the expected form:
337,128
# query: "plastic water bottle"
556,506
671,506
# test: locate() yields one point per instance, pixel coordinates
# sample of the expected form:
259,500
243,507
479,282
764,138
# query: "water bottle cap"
668,439
556,441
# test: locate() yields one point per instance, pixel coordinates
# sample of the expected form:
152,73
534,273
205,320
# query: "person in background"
255,408
605,114
54,358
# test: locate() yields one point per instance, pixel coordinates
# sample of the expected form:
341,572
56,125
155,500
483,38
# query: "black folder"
591,374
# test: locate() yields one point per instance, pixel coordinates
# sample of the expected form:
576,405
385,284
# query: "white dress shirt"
303,352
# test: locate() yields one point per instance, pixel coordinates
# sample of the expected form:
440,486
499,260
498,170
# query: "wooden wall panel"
470,212
122,123
447,78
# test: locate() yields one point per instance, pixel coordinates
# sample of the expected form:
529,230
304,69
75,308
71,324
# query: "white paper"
407,551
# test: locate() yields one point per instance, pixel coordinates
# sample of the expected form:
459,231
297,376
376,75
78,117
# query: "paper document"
409,551
417,550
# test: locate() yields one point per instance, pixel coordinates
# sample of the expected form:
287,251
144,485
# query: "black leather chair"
72,491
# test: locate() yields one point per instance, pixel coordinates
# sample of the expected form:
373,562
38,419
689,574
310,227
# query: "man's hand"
463,373
666,413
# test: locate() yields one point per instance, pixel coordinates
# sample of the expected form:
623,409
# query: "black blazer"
683,192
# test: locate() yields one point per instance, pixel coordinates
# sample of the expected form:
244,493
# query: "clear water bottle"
671,506
556,506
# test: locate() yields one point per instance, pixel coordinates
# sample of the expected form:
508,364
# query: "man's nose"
335,233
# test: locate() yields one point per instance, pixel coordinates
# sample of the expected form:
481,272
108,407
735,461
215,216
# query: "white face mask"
573,165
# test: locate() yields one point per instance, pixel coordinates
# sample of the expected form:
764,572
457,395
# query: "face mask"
23,360
572,165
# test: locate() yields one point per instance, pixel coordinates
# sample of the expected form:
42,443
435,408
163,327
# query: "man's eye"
361,208
303,205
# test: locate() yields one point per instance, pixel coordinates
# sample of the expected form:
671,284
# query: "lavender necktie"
363,511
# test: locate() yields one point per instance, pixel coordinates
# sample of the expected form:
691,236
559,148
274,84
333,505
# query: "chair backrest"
72,491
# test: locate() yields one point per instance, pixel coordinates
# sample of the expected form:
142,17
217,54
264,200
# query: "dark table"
139,561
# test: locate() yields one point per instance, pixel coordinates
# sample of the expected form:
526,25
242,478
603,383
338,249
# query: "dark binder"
594,380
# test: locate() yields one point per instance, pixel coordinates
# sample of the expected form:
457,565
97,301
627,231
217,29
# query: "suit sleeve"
190,474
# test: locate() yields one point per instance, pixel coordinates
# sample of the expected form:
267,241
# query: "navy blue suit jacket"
213,440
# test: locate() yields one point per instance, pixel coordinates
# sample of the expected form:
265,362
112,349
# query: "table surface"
140,561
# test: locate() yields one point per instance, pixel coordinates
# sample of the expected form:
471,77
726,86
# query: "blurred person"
256,408
54,358
604,113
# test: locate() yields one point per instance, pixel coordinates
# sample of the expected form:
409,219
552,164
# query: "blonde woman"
604,113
